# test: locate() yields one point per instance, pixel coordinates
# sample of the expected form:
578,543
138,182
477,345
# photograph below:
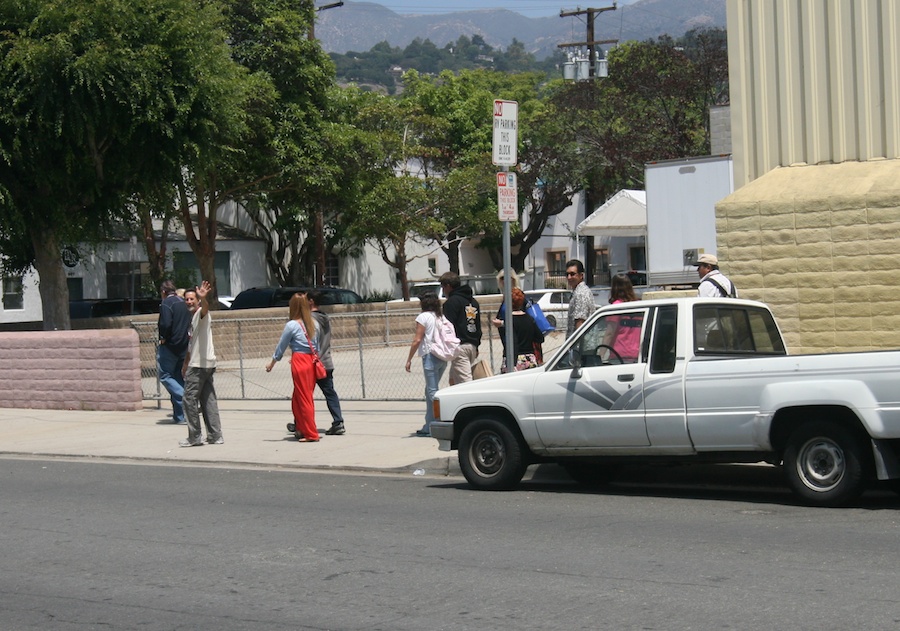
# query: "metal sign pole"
505,154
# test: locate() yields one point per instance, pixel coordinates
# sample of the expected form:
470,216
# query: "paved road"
96,545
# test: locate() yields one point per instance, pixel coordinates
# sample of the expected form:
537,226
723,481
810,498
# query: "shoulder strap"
721,289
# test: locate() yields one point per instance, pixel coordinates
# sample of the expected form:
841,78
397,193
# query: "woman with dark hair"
303,345
426,322
621,290
526,334
623,333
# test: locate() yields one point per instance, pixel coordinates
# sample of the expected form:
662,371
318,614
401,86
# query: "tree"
277,152
99,99
453,142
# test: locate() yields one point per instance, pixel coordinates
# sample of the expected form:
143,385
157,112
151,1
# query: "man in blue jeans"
174,335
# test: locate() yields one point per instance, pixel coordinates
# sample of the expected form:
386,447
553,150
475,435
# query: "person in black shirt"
174,335
464,313
526,334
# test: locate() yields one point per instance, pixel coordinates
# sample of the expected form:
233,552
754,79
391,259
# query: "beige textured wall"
71,370
820,245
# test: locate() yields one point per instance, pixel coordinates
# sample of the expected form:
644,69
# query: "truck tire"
491,456
552,320
824,464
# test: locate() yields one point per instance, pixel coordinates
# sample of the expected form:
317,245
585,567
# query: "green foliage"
99,99
379,296
379,66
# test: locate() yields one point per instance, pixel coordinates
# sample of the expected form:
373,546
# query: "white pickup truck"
704,380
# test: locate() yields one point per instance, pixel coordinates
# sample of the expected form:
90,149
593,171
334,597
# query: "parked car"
416,290
261,297
111,307
553,302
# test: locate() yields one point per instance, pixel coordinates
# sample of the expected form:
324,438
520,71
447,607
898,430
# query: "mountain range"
358,26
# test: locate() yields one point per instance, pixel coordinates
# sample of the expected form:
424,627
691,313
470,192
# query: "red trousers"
302,400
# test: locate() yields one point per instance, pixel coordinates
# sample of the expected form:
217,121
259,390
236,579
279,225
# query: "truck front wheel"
490,455
823,464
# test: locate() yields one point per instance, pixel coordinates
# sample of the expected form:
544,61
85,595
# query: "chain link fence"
369,351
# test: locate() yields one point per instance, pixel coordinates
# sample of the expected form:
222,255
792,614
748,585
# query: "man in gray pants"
199,368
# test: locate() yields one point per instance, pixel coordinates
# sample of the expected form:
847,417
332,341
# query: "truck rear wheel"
823,464
491,456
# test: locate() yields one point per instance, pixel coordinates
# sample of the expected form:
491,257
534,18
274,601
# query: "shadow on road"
734,483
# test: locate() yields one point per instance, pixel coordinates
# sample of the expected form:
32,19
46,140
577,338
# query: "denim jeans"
434,370
326,385
169,365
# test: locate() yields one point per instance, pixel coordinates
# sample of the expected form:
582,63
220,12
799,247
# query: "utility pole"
319,220
590,259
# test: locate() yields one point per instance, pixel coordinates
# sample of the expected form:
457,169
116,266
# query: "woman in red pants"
300,334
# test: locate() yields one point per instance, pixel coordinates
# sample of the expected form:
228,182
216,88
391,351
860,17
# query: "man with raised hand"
199,368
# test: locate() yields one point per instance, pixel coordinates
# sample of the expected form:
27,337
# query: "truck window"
662,355
735,330
613,339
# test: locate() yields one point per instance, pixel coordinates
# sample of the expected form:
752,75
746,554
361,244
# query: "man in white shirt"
581,304
713,283
199,368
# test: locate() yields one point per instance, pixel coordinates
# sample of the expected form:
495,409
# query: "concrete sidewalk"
380,437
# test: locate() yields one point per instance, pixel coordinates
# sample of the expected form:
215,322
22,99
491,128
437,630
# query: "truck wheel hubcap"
821,464
488,453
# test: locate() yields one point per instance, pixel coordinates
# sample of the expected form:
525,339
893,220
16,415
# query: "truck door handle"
629,377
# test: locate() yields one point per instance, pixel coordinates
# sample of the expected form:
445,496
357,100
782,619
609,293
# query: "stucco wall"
66,370
820,245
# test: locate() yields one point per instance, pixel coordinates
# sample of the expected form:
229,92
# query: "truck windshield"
739,330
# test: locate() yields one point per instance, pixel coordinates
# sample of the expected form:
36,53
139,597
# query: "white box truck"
681,214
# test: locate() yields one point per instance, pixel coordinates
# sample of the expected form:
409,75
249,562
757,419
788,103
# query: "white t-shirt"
203,355
426,319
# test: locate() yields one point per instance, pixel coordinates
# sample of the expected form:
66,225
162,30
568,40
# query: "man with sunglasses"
581,305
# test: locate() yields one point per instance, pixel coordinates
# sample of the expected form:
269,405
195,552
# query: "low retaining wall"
71,370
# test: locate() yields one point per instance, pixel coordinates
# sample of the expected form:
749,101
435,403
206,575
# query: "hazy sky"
528,8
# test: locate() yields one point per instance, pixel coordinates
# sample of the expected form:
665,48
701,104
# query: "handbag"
318,367
481,369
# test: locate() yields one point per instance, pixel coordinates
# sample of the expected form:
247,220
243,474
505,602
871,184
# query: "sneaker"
423,432
217,441
291,428
187,443
337,429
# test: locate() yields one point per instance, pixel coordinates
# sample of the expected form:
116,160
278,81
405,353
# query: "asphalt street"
174,546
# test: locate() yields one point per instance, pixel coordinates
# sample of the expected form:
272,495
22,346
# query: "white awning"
623,215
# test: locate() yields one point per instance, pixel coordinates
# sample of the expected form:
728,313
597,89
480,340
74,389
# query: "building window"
332,270
432,265
125,280
13,294
601,269
637,257
76,288
555,276
188,269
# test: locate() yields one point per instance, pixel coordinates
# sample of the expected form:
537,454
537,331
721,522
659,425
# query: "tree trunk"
53,287
400,258
452,251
